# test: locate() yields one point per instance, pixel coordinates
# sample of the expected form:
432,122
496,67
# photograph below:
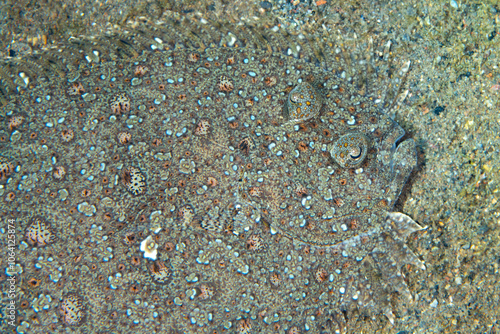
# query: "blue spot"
235,105
245,60
168,64
252,74
438,110
170,81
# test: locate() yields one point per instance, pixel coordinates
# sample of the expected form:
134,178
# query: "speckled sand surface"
451,111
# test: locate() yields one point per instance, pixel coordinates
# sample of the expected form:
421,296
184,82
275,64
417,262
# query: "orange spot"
320,2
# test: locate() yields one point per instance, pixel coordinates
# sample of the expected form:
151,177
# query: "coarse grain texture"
451,111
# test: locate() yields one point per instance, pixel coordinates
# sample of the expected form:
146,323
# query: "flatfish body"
208,190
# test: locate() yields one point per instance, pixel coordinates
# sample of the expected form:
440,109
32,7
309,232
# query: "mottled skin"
263,228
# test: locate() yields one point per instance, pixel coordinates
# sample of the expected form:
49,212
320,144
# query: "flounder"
266,182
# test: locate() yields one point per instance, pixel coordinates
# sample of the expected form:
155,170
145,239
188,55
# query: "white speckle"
233,40
149,247
25,78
